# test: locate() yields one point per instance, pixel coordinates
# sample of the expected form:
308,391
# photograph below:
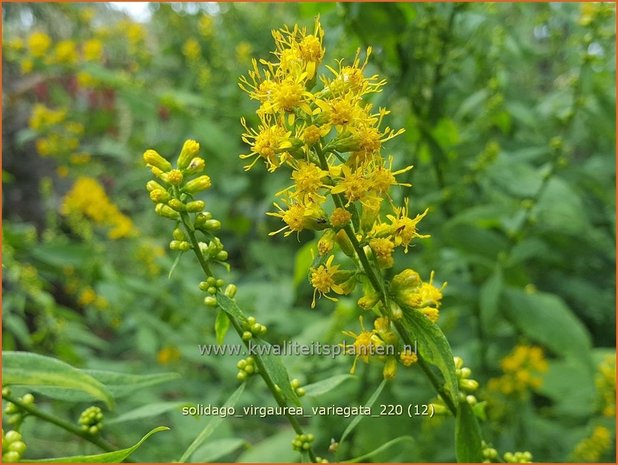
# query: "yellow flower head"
325,279
92,50
270,143
38,44
66,52
300,216
364,345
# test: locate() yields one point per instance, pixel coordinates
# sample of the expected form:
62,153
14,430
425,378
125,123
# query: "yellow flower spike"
154,159
189,150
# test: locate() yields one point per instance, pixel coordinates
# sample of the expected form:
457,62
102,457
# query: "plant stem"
258,358
378,285
70,427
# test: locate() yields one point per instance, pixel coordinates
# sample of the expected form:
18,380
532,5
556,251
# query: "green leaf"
119,384
174,265
546,319
211,426
34,370
356,420
382,448
489,298
230,307
145,411
108,457
278,373
302,262
274,449
433,347
326,385
222,324
467,436
217,449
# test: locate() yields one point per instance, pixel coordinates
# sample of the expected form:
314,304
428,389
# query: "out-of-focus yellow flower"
243,52
65,53
592,448
87,297
92,50
206,26
43,117
38,44
606,385
88,199
522,369
192,50
26,65
85,79
168,355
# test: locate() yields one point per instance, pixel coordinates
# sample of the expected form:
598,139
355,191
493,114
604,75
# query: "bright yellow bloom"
353,184
408,357
324,280
66,53
401,228
192,49
521,368
300,216
340,217
38,44
92,50
382,249
270,143
364,345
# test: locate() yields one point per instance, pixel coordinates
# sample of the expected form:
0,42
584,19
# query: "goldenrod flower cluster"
322,127
87,199
606,385
522,369
58,136
594,447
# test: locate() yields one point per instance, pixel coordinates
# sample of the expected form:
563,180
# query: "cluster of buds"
410,292
246,367
489,453
15,415
302,442
13,447
518,457
91,420
180,184
466,384
295,384
252,328
212,285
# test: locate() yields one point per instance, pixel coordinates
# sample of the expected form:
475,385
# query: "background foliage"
509,111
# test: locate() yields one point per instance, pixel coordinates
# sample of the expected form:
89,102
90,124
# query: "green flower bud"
189,150
300,392
159,196
344,242
184,246
18,446
246,336
241,376
166,212
153,186
201,218
12,436
222,256
230,291
212,225
179,235
241,364
295,383
11,457
152,158
177,205
195,206
175,245
210,301
406,280
249,369
198,184
204,286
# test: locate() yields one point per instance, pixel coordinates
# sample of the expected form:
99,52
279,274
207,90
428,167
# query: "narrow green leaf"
279,374
230,307
108,457
211,426
174,265
145,411
433,347
302,263
217,449
467,436
119,384
382,448
222,324
34,370
356,420
328,384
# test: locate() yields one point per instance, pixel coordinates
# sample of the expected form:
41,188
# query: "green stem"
378,286
70,427
257,357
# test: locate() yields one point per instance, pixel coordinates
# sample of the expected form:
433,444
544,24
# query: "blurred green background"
509,111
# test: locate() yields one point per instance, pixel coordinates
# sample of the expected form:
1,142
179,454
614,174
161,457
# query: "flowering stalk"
331,138
174,200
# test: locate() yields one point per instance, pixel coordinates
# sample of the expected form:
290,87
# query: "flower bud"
368,301
390,368
189,150
159,196
230,291
195,206
222,256
246,335
177,205
344,242
406,280
201,218
179,234
152,158
196,166
154,185
210,301
174,177
326,242
167,212
198,184
211,225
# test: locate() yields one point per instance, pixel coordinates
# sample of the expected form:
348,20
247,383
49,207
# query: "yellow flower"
401,228
300,216
206,26
65,53
324,280
270,143
353,184
364,345
408,357
191,49
38,44
340,218
382,249
592,448
521,368
92,50
243,52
